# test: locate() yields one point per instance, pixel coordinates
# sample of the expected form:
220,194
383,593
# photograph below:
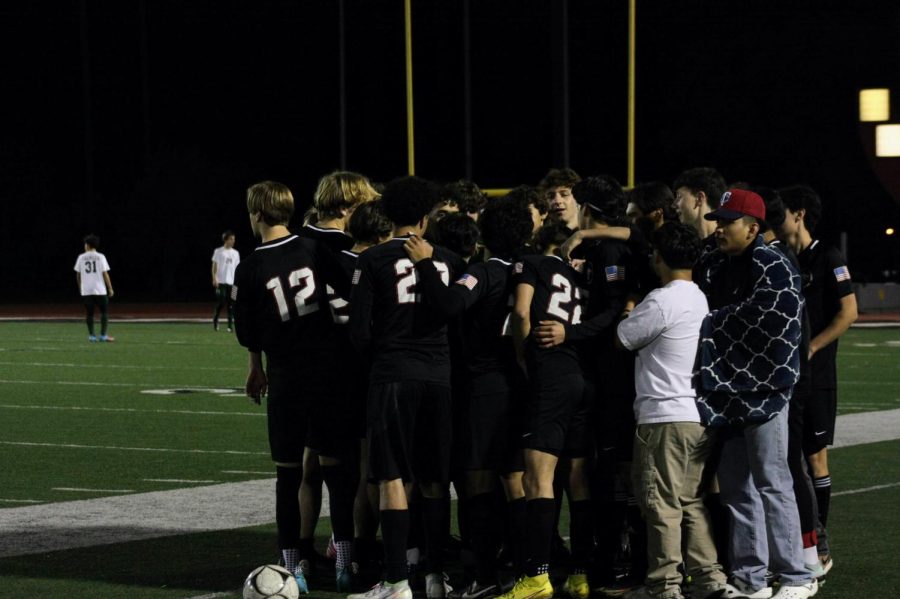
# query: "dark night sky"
144,121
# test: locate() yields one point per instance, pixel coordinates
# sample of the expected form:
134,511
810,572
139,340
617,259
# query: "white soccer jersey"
226,262
92,265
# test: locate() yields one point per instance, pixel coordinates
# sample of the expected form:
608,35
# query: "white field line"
269,473
83,490
98,384
865,489
123,366
182,480
150,449
65,525
131,410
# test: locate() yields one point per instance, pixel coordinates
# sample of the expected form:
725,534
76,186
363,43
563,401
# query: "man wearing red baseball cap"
748,365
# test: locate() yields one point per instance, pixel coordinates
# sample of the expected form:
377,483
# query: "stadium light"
874,105
887,141
889,231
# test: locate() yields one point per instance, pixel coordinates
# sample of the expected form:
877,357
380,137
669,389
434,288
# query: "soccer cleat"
92,338
229,329
577,587
737,590
386,590
803,591
301,581
817,570
475,590
344,580
531,587
436,586
827,563
215,326
107,339
305,566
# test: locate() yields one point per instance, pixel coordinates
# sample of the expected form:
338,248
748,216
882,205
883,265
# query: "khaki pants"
667,469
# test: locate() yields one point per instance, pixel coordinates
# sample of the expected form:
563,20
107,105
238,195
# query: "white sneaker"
436,586
736,590
384,590
803,591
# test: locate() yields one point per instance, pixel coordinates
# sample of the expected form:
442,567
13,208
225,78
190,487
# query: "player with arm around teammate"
490,435
545,289
408,407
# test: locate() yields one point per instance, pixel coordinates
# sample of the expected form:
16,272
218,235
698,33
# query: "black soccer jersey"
334,239
556,297
407,341
279,300
826,279
483,295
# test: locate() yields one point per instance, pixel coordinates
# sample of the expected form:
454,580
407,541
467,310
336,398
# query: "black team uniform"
614,271
327,434
408,418
489,436
280,311
557,387
800,399
826,279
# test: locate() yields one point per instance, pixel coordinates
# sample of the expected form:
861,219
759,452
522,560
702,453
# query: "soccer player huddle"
663,359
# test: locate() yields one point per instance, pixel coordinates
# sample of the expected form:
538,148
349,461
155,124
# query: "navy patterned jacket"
748,358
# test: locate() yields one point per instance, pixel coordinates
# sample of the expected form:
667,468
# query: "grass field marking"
866,489
865,345
96,384
133,410
151,449
182,480
215,595
83,490
246,472
867,427
123,366
882,383
21,501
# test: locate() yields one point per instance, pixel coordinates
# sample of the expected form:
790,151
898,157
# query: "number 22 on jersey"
304,282
407,279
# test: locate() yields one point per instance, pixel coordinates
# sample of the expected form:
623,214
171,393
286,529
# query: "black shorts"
614,426
409,432
818,420
490,432
550,410
337,423
287,412
579,439
92,301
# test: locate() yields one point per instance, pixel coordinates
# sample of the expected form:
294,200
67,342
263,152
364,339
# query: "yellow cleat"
577,586
531,587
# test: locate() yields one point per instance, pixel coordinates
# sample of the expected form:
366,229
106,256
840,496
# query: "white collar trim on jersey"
350,253
275,244
501,261
813,244
328,230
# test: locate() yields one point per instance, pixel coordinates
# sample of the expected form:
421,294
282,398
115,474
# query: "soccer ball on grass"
271,582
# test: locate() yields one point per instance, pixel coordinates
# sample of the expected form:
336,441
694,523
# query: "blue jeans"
757,489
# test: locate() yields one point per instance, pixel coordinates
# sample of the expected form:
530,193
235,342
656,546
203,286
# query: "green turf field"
160,410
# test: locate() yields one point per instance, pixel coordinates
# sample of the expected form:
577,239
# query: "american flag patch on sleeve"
234,293
615,273
468,281
842,273
518,267
356,274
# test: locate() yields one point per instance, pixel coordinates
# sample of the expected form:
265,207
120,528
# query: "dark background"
144,121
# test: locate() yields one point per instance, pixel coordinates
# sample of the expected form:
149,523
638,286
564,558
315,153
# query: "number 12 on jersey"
303,279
